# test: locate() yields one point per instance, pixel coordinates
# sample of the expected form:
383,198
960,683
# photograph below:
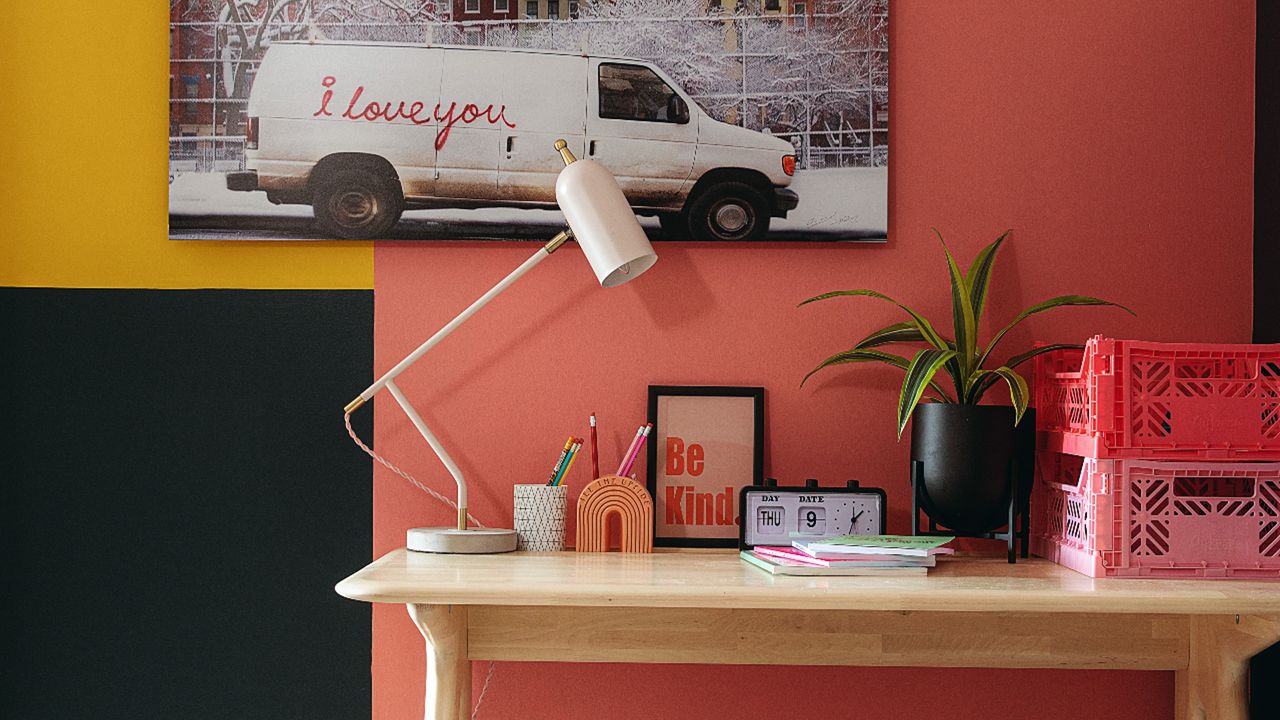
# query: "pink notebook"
797,556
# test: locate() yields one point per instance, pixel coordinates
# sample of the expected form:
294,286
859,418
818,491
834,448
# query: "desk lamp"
601,220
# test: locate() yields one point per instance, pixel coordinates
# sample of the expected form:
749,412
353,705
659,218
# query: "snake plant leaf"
1017,360
987,381
919,376
927,332
1051,303
1019,393
897,332
903,332
858,356
978,277
962,317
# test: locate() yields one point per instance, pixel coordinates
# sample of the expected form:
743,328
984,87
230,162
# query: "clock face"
779,518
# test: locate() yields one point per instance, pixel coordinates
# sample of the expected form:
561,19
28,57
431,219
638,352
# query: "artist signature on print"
833,220
414,111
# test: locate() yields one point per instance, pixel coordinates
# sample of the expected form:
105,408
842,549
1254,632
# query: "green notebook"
877,545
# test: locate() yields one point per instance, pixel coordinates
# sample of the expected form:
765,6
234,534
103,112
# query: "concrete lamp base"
475,541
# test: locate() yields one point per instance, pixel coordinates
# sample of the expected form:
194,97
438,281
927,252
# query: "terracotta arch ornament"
629,500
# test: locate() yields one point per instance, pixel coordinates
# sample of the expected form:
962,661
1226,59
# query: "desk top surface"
719,579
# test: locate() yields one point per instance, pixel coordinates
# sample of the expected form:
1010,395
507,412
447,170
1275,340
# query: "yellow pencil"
560,461
568,465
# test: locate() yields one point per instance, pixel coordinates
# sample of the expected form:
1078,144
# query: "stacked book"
852,555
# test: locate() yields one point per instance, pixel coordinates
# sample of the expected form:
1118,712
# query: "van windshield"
635,92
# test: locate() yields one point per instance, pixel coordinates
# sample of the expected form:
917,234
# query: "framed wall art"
738,121
707,444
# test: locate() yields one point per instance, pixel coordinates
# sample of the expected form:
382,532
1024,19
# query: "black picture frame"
757,461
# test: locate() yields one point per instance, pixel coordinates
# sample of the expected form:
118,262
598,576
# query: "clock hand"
854,521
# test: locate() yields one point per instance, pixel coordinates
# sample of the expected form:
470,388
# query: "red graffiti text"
415,112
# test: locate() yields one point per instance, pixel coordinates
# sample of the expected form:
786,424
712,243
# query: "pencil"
630,449
595,453
560,461
632,460
564,476
564,468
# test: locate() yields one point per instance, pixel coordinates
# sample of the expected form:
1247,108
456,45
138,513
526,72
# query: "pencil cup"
539,516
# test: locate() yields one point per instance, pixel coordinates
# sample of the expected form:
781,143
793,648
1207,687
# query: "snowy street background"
835,204
812,72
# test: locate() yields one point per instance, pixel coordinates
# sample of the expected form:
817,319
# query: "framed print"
708,443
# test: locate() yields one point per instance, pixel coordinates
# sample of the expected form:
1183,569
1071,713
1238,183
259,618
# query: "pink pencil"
636,452
635,443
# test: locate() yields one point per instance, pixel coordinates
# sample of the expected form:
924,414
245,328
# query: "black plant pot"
968,452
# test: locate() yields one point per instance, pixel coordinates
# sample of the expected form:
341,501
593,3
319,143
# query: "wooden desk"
710,607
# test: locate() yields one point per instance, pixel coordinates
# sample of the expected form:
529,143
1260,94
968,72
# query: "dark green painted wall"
178,498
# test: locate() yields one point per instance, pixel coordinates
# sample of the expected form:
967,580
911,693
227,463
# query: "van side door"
469,123
546,97
635,129
412,85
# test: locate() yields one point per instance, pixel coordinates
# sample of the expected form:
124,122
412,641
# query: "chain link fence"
818,80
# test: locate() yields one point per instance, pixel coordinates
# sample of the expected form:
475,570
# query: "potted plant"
967,448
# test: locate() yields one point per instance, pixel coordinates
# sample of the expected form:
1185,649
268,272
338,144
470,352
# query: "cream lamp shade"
603,223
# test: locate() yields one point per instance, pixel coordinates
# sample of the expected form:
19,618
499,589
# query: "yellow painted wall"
84,164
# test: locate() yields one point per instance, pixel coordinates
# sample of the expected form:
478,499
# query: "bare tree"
816,79
244,29
681,36
251,26
813,80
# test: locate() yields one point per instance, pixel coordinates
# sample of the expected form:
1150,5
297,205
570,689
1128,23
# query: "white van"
363,131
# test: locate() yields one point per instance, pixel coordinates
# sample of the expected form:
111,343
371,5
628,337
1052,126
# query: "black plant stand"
1019,514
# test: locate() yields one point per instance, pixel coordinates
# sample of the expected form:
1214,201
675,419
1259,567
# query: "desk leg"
1214,685
448,668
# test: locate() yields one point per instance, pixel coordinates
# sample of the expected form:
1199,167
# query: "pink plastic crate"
1142,518
1170,401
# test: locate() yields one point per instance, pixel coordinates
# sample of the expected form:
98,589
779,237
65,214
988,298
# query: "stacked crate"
1159,460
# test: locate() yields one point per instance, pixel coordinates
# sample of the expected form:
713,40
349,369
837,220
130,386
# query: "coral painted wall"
1115,138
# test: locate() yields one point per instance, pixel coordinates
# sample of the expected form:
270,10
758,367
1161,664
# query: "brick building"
550,9
483,13
191,72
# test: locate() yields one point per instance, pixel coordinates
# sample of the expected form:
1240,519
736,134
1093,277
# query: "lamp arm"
386,381
437,447
542,253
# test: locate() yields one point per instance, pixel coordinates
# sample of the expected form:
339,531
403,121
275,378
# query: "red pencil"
595,454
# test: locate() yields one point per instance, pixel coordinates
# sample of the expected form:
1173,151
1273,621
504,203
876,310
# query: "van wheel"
730,211
357,204
675,227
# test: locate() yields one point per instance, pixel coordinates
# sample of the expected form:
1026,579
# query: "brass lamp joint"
353,406
563,147
462,518
561,238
